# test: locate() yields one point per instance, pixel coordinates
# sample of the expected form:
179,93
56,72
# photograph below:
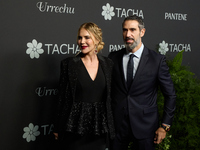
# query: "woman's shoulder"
68,59
105,62
101,57
105,59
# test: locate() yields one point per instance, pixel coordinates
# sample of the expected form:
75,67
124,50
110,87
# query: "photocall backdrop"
35,35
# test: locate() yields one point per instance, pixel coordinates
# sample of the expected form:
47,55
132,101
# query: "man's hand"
160,135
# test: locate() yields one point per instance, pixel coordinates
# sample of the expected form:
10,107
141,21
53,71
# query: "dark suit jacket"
141,99
67,87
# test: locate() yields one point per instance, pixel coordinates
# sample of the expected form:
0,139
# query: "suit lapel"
142,63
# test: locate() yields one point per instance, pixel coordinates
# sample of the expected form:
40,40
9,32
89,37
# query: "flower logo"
31,132
34,49
163,48
107,12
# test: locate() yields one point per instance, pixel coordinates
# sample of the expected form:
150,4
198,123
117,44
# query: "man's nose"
128,34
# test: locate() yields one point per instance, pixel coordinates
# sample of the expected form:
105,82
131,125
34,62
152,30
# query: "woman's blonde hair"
93,29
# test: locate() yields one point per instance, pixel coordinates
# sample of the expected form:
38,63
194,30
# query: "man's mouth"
129,40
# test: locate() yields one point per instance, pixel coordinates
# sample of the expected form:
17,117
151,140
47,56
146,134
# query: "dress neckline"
88,72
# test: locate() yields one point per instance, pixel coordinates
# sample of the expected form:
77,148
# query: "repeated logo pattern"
31,132
34,49
163,48
108,12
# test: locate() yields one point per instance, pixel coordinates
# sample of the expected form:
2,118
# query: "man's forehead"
131,24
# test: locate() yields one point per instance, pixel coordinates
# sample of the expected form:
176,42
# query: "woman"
84,117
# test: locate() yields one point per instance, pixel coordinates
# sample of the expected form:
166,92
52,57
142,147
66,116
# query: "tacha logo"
165,47
31,132
111,11
108,12
34,49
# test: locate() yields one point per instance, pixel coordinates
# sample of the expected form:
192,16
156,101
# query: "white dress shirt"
136,60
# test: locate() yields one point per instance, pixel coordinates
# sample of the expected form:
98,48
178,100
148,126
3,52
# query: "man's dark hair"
137,18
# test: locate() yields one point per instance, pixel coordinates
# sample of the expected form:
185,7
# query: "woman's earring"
95,51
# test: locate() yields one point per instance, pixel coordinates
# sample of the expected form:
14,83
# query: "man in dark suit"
135,82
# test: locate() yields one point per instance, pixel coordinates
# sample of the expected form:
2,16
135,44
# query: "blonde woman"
84,118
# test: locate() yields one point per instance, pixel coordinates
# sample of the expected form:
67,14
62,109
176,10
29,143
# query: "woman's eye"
87,37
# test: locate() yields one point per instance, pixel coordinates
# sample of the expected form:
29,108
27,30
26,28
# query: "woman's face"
86,42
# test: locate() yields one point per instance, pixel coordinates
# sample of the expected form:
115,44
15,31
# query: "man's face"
132,35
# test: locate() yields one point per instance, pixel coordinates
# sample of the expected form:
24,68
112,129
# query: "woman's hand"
56,136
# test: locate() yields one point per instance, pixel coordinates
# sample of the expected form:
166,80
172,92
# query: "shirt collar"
138,53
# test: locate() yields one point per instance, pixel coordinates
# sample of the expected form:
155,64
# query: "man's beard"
129,47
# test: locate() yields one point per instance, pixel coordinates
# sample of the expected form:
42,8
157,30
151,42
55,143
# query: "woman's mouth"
83,47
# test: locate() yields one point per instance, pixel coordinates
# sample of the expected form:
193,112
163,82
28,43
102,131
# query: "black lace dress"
87,124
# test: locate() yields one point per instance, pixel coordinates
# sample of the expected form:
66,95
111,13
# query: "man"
134,91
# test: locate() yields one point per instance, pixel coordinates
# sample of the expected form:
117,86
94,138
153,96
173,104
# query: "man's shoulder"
152,52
